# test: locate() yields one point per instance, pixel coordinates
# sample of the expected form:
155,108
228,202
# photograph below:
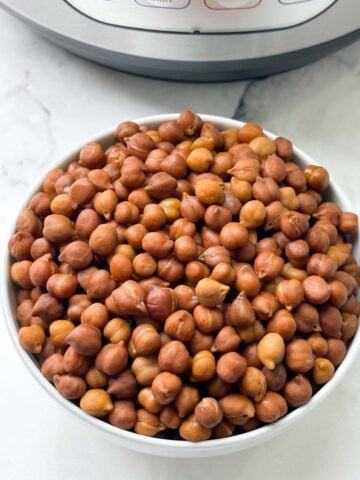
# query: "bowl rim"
131,439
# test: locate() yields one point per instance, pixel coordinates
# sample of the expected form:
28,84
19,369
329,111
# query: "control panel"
202,15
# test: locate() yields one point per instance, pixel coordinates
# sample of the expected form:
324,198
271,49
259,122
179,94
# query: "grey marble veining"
50,101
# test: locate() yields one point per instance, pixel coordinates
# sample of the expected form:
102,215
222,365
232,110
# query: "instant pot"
197,40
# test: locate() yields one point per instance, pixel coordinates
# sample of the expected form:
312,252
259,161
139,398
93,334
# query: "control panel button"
164,3
289,2
231,4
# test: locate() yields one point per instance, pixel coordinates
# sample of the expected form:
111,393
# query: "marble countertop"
51,100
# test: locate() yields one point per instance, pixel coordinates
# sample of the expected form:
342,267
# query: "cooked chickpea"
186,281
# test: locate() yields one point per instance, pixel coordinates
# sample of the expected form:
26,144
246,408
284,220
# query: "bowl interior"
157,446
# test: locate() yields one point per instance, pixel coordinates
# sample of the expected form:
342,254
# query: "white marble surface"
49,101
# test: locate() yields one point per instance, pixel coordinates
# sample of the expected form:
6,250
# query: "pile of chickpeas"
186,282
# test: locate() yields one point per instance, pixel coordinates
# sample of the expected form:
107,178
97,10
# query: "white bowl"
157,446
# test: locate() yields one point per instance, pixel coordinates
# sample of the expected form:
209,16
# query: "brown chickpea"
248,132
241,189
249,352
123,415
348,223
20,245
165,387
348,326
267,265
272,407
211,293
196,271
293,224
32,338
283,323
70,386
203,366
170,417
20,273
336,351
247,281
212,256
53,365
262,146
267,243
298,391
121,267
218,388
59,330
223,273
216,217
208,412
253,383
237,408
230,367
85,339
146,339
252,214
241,313
317,177
316,289
226,340
144,265
50,180
135,234
170,269
100,284
233,235
147,400
147,423
290,293
101,179
92,155
307,318
246,169
124,385
276,378
191,430
318,344
103,239
322,371
75,363
200,341
330,321
181,227
24,312
297,252
174,357
158,244
117,330
265,305
95,314
185,249
96,402
299,356
273,167
208,320
180,325
271,350
41,246
153,216
48,307
266,190
223,161
209,237
41,270
186,298
96,379
322,265
86,222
